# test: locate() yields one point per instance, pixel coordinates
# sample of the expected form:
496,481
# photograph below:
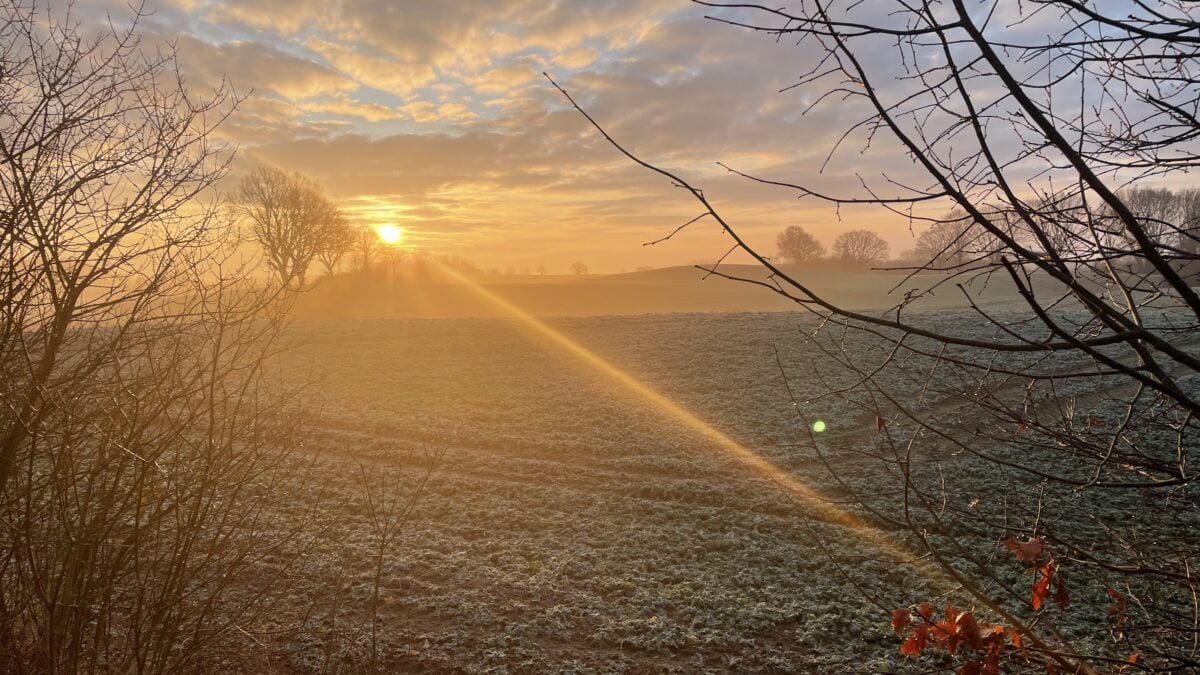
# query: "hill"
673,289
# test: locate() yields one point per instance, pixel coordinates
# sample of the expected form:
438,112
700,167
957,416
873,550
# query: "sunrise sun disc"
390,234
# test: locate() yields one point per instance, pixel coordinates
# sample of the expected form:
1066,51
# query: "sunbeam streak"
760,465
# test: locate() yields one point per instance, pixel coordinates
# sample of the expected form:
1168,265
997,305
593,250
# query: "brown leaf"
991,662
952,614
968,630
1027,551
915,644
901,618
1042,586
1061,598
946,635
1116,609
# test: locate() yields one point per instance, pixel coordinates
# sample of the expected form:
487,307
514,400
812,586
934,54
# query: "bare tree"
338,241
579,268
366,248
1189,237
291,219
956,242
1042,460
138,453
796,245
942,243
860,248
1165,216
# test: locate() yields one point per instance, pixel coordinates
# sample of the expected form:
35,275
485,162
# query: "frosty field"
568,526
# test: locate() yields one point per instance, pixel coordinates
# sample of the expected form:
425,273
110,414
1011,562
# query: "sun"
390,234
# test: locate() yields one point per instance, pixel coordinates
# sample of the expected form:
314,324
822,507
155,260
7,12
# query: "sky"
435,116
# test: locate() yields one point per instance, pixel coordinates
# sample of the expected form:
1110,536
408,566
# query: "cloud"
265,68
285,17
342,105
437,114
422,111
373,70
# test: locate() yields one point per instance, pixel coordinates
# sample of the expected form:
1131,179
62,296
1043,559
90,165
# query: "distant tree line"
853,249
1171,219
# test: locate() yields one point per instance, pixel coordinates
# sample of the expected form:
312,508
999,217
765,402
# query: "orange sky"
434,115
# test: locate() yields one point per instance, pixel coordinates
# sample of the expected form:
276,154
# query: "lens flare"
818,426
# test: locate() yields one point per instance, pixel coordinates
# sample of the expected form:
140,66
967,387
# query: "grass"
569,527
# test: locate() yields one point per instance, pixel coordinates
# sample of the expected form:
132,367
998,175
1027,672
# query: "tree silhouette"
365,247
796,245
338,241
291,219
860,248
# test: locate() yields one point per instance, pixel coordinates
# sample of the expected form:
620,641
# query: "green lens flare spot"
819,426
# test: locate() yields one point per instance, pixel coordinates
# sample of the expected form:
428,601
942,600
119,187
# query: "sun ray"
787,482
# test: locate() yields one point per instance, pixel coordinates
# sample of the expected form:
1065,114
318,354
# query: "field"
569,526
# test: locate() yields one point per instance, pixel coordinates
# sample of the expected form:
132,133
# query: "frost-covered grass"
570,526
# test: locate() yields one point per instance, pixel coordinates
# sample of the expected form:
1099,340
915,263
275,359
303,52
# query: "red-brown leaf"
1027,551
901,618
880,423
915,644
968,630
925,609
946,635
991,662
1116,610
1042,586
1061,598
